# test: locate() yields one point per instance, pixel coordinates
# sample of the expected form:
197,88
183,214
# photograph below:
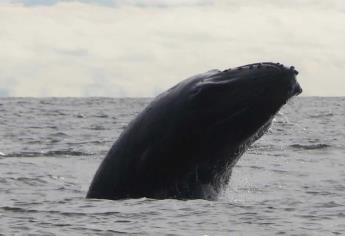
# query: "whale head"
266,85
237,105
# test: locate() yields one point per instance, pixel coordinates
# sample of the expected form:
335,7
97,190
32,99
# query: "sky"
139,48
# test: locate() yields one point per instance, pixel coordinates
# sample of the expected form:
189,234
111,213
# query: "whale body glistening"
185,142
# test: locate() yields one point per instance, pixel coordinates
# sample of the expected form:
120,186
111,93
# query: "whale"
184,144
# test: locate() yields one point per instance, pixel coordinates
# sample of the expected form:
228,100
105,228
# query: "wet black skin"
185,143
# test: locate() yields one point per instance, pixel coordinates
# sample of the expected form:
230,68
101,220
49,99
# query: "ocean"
290,182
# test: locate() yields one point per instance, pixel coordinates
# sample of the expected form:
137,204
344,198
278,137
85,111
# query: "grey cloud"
164,3
4,92
78,52
294,4
102,86
117,3
86,50
35,2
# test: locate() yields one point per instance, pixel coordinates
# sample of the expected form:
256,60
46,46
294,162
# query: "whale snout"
297,89
282,79
294,87
273,81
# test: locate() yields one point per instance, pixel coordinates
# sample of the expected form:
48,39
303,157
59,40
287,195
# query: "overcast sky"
139,48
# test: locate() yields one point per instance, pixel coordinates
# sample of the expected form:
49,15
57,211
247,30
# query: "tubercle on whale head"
263,65
267,70
259,84
252,94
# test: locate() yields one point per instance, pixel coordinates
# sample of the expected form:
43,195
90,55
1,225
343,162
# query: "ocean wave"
64,213
97,127
25,210
310,146
43,127
59,134
29,181
321,115
55,113
55,153
101,116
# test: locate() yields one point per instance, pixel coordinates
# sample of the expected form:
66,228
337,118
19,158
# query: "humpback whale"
184,144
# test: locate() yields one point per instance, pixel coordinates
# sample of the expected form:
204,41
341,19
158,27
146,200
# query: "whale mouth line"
298,89
295,90
227,118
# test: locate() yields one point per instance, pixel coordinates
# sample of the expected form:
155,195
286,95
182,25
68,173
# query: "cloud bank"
139,48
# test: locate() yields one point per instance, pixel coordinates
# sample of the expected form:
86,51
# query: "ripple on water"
318,146
282,185
56,153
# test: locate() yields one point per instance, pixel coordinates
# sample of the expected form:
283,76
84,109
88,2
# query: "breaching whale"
185,142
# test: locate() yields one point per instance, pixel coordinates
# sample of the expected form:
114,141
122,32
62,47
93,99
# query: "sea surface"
290,182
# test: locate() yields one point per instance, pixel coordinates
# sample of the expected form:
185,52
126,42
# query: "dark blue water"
291,182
